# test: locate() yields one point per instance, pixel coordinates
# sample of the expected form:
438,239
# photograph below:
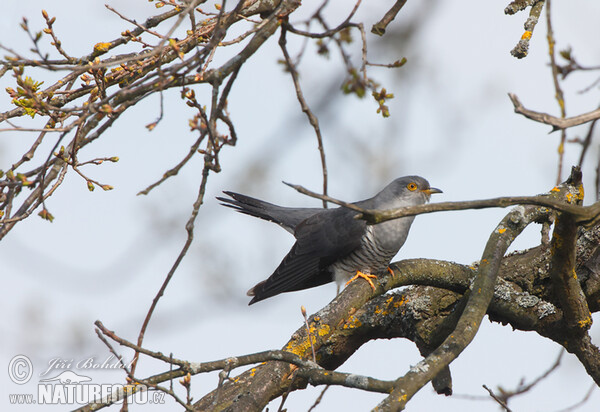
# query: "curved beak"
431,191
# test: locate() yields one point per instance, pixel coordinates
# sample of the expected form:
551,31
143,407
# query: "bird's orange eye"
411,186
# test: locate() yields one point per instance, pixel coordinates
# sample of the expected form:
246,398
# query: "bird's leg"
389,269
364,276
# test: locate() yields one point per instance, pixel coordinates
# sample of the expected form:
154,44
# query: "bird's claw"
364,276
389,269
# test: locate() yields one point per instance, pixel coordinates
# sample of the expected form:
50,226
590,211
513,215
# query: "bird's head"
408,191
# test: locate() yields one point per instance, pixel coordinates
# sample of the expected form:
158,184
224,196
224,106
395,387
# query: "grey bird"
330,243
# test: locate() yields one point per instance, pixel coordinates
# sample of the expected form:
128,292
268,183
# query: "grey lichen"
526,300
545,309
357,381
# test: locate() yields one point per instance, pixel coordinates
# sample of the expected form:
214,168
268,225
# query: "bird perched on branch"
330,243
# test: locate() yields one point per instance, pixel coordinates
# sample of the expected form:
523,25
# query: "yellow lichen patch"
581,192
402,398
101,47
502,230
252,372
322,331
585,323
401,302
555,189
526,35
302,347
352,323
298,348
570,197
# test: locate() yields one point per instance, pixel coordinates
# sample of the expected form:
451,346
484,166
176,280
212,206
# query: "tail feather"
250,206
287,217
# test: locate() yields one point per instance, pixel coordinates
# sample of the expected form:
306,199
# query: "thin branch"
584,215
522,47
137,348
560,97
173,171
497,399
319,398
557,123
135,23
190,237
586,142
328,32
380,27
313,120
521,389
587,396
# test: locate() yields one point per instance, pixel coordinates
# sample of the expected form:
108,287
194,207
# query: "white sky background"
107,253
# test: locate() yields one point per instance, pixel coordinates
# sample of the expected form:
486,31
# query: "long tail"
286,217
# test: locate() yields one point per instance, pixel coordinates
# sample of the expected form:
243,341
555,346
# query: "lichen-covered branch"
564,277
522,47
479,298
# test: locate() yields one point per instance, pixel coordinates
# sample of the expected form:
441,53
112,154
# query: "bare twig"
313,120
586,142
557,123
190,237
497,399
582,402
124,342
585,215
522,388
310,337
319,398
560,97
379,27
172,172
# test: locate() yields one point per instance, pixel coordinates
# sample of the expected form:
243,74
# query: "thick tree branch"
566,284
478,301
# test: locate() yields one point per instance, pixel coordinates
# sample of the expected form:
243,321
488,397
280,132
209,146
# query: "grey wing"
286,217
322,239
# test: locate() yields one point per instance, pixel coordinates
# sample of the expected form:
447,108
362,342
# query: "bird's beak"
431,190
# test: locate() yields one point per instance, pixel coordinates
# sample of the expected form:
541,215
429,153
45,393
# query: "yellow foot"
364,276
389,269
